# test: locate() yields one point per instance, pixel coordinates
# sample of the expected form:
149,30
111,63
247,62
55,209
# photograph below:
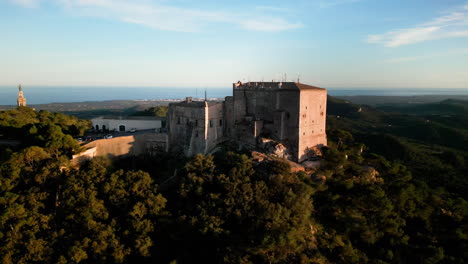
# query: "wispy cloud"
26,3
273,8
452,25
162,15
332,3
268,25
428,56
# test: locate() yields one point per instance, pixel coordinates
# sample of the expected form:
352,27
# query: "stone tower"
290,113
21,99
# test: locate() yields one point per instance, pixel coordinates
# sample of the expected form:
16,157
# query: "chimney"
188,99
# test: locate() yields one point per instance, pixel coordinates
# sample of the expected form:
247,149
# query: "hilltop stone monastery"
289,113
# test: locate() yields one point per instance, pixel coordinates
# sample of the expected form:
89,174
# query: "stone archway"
122,128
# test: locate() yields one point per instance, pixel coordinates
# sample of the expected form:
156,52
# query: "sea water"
45,95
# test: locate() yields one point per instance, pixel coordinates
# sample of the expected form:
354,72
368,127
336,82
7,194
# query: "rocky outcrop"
314,153
259,157
311,165
271,146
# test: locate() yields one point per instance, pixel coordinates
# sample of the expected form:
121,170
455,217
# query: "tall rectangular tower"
312,120
291,113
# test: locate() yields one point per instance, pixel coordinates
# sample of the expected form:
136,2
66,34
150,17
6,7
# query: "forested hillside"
430,139
371,201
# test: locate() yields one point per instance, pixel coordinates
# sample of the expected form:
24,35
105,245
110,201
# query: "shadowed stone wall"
195,127
129,145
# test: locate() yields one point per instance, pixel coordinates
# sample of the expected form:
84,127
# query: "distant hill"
444,123
403,100
88,110
445,107
431,139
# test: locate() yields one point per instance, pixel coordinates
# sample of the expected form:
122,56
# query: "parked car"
79,140
108,136
88,138
132,130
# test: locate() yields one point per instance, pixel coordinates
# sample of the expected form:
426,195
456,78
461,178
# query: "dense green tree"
242,215
159,111
357,207
56,215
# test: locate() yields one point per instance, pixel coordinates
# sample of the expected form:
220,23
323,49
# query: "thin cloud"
453,25
273,8
161,15
429,56
270,25
327,4
26,3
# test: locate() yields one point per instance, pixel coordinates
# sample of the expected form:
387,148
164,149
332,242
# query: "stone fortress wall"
194,126
285,116
293,114
118,147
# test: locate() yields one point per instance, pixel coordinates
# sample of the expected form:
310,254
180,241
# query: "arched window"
122,128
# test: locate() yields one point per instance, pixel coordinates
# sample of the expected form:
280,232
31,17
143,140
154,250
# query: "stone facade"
21,99
290,113
194,126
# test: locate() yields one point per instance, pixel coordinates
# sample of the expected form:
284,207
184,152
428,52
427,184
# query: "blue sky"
207,43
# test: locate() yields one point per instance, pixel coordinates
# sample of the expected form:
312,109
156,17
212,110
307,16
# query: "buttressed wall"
195,127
